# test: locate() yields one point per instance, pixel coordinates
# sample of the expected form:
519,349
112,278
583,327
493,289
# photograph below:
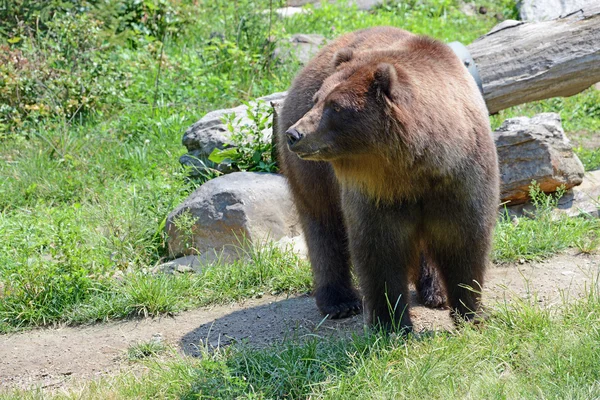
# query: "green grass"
528,239
543,232
589,157
578,113
49,294
524,351
84,196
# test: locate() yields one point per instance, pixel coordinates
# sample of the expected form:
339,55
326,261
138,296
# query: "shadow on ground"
297,318
261,325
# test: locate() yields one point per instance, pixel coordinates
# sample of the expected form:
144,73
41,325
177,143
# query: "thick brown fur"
394,168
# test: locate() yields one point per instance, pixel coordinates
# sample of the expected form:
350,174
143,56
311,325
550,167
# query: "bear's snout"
293,136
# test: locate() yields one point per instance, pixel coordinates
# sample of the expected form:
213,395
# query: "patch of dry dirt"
56,357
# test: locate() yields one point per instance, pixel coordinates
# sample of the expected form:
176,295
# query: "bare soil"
54,358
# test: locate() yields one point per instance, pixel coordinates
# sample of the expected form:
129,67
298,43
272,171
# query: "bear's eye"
336,107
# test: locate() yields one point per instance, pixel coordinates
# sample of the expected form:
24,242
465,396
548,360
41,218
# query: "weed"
184,223
144,350
251,150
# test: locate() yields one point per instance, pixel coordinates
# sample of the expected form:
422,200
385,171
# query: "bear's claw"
343,310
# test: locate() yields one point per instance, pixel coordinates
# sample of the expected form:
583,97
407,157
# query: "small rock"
360,4
157,338
180,265
583,199
295,244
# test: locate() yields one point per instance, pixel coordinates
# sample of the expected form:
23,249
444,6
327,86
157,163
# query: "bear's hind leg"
462,272
328,252
462,259
429,286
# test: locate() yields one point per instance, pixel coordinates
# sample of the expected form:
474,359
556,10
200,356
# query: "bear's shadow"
295,318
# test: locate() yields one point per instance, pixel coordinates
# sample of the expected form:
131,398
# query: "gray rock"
535,149
301,47
179,265
544,10
210,132
232,211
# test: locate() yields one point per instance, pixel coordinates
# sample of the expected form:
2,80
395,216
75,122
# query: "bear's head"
357,110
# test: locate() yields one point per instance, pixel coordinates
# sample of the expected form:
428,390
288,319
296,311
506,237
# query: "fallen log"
522,62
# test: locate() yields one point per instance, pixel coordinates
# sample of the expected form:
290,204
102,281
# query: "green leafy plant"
250,150
545,203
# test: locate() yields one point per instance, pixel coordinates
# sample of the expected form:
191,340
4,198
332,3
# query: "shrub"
61,74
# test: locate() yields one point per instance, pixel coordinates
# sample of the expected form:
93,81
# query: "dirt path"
54,357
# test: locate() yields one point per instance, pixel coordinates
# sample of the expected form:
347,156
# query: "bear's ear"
342,56
386,80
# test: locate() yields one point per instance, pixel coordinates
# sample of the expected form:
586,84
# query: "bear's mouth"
309,155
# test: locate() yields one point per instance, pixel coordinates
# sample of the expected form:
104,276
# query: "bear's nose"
293,136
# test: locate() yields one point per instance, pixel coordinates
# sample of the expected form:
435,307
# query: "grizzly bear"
386,144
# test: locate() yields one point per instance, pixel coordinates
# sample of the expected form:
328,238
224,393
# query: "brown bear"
386,144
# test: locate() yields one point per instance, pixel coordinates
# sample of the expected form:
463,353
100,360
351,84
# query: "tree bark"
523,62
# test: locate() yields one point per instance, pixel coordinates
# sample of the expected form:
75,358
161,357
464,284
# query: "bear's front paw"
343,310
338,302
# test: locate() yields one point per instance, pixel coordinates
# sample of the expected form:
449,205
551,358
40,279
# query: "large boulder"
535,149
211,132
230,212
544,10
